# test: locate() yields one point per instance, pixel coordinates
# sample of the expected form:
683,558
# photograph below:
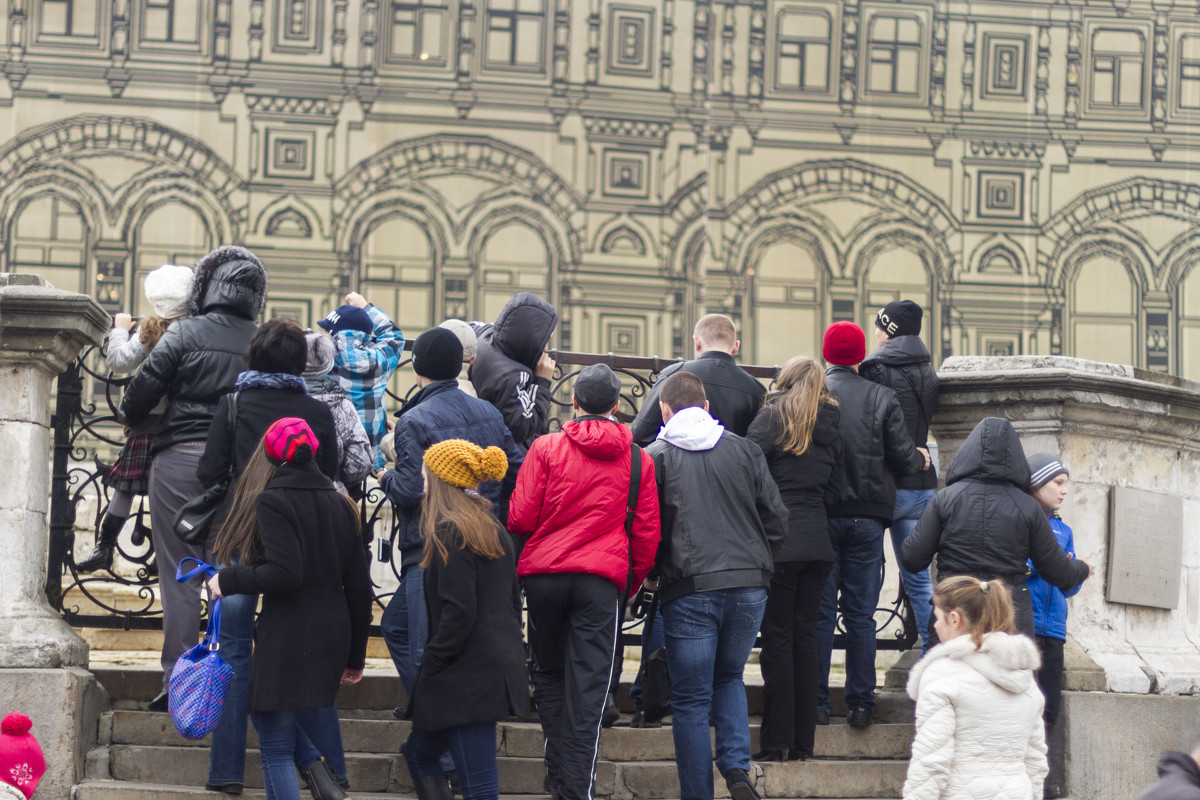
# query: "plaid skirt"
131,472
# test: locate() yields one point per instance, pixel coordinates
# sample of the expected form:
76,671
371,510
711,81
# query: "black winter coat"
734,397
506,355
1178,778
902,364
257,410
876,447
806,482
985,522
722,517
473,667
198,359
316,592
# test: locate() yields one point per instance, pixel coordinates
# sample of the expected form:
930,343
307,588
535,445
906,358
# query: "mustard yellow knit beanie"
465,464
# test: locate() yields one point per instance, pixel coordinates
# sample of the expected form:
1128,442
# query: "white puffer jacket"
979,722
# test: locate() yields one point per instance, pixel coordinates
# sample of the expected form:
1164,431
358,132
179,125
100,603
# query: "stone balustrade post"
1133,682
42,660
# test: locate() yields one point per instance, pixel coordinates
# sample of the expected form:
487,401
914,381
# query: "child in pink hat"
21,762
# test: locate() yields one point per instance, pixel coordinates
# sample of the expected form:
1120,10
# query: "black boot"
106,540
321,782
432,787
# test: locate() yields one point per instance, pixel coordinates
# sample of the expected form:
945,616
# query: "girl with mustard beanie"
473,667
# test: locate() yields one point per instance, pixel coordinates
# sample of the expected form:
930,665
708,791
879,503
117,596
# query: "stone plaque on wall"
1145,548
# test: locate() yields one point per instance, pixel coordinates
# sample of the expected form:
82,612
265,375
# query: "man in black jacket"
876,447
902,363
722,520
734,397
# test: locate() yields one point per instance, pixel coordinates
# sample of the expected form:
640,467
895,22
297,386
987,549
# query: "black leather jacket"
876,446
198,359
902,363
985,522
734,397
722,517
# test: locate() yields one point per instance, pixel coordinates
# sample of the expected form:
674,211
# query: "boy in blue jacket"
1048,478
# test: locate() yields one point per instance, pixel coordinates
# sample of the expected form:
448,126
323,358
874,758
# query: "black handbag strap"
635,481
231,420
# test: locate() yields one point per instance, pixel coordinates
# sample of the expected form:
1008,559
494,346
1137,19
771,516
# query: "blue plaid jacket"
362,367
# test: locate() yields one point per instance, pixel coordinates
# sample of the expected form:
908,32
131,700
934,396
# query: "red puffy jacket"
570,501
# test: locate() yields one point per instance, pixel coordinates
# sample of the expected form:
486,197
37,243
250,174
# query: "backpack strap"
635,482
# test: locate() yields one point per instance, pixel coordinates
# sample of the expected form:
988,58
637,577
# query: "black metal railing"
86,432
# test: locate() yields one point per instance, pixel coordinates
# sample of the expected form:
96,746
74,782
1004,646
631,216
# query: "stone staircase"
139,755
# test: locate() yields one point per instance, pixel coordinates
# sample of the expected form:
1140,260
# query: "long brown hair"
446,506
239,535
800,391
151,328
985,606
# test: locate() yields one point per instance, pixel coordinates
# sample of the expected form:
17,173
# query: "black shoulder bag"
193,521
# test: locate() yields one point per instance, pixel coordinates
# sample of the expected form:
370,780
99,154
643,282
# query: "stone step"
131,687
644,780
127,790
523,739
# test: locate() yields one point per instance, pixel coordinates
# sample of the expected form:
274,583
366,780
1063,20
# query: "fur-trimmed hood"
230,277
1007,660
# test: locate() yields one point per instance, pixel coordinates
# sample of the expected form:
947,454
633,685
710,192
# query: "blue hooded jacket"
1050,602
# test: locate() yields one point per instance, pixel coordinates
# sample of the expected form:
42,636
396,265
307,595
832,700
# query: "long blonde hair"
466,512
985,606
800,391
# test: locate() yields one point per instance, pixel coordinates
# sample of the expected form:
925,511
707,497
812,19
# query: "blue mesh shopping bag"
200,679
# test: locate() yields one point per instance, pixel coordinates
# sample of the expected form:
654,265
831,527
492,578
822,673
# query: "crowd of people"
744,512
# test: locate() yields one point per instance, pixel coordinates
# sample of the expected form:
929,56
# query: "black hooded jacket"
902,363
199,358
985,522
506,355
1178,778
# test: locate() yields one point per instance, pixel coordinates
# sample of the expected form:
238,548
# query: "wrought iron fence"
87,428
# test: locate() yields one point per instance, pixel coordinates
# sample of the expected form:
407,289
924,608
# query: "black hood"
524,327
232,278
993,454
900,350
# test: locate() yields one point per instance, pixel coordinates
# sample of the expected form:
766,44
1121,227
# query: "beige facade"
1022,169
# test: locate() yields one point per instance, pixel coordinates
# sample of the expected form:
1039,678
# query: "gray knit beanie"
1043,468
321,351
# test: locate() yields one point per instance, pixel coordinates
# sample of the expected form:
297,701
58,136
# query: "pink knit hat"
21,762
286,439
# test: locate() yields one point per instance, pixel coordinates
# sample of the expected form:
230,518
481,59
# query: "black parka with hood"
198,359
902,363
506,355
985,522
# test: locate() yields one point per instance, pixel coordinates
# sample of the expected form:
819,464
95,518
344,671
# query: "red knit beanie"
290,439
845,344
21,762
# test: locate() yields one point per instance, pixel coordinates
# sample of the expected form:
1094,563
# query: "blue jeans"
858,576
283,747
405,627
709,638
473,749
655,640
909,505
227,756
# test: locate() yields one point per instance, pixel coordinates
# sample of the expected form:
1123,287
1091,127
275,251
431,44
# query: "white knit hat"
168,289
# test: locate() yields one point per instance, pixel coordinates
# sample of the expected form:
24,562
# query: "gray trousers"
173,482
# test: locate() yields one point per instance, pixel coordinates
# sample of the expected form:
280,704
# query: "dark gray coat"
1178,778
722,517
